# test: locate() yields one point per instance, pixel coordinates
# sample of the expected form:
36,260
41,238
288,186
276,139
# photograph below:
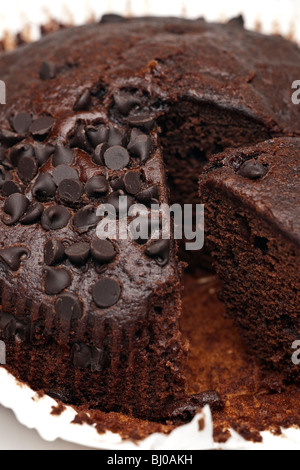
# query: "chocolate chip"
84,101
14,255
143,121
116,158
15,205
125,101
10,187
68,307
141,229
121,206
81,356
106,293
9,138
48,71
96,186
44,188
33,215
43,153
7,326
132,182
62,156
79,139
116,136
160,250
21,123
56,280
19,151
149,196
42,126
54,252
112,18
140,147
70,191
27,169
63,172
98,156
85,218
97,134
253,170
78,253
117,182
55,218
103,251
22,330
5,176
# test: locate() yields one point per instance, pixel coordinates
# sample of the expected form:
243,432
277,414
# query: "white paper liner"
269,16
34,412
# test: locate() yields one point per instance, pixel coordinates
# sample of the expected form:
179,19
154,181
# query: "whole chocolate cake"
108,110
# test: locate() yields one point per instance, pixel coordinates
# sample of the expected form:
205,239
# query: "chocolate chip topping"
62,156
125,101
14,255
33,214
112,18
149,196
48,71
78,253
19,151
55,218
98,156
103,251
54,252
253,170
21,123
15,206
160,250
56,280
140,147
79,139
116,158
43,153
70,191
85,218
97,134
106,293
132,182
96,186
143,121
10,187
27,169
44,188
9,138
116,136
68,307
42,126
63,172
5,177
83,102
121,206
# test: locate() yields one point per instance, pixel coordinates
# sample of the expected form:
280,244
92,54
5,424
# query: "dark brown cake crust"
252,226
211,82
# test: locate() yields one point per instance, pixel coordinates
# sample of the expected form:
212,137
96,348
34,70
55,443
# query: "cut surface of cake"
251,196
133,109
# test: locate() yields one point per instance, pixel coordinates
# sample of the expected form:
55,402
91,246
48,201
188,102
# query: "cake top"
264,178
168,59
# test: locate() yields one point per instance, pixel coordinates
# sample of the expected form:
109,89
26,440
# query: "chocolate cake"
98,112
252,199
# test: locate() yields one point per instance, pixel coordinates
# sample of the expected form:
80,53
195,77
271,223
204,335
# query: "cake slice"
252,207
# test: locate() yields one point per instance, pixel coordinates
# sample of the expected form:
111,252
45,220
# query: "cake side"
251,197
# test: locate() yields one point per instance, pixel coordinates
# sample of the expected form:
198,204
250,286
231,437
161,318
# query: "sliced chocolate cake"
98,112
252,202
